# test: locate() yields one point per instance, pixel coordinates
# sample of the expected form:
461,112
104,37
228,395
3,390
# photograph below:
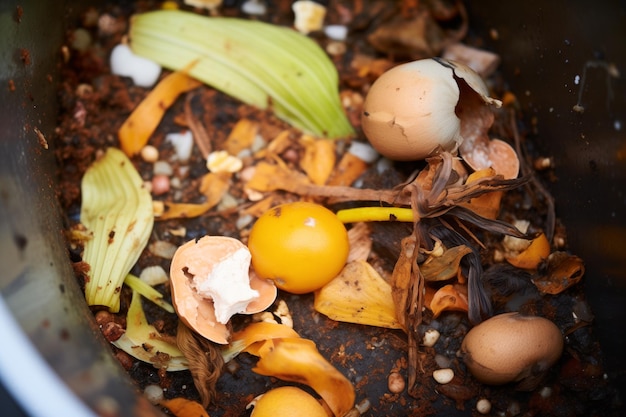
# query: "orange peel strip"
449,298
242,340
298,360
182,407
533,255
143,121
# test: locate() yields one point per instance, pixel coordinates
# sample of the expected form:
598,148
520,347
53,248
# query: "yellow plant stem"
375,214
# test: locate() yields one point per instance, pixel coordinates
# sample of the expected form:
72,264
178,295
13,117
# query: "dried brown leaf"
446,266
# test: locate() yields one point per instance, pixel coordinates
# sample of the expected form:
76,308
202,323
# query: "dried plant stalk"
205,362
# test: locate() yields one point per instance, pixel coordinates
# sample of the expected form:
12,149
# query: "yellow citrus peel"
298,360
358,295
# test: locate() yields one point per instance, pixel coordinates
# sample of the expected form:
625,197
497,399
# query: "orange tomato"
300,246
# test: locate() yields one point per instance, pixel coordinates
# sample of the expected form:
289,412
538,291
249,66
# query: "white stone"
125,63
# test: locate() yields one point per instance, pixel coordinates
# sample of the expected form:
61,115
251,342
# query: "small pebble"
153,393
545,392
162,168
254,7
149,154
182,143
336,32
483,406
443,376
336,48
154,275
442,361
124,62
395,382
221,161
163,249
430,337
160,184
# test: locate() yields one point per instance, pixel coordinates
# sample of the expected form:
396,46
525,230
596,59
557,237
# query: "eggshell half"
198,258
409,111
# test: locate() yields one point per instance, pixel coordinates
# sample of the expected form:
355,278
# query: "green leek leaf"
148,292
258,63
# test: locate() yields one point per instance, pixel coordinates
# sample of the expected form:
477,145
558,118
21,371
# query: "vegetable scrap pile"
293,204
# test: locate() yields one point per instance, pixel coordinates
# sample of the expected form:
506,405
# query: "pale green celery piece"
117,212
142,341
232,350
148,292
259,63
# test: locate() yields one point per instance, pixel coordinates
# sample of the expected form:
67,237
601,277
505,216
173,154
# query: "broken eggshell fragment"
415,109
211,281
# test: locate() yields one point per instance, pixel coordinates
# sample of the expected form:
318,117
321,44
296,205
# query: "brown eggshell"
199,258
409,111
511,347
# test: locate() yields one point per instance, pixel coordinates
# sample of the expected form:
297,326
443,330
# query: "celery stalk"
117,213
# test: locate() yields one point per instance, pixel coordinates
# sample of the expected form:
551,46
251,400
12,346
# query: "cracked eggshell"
409,111
198,258
511,347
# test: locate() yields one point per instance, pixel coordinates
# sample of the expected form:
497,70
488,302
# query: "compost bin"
558,57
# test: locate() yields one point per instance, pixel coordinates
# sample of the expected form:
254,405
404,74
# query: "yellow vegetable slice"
142,341
117,212
358,295
298,360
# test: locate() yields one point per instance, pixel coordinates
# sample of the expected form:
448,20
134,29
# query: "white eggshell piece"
125,63
228,285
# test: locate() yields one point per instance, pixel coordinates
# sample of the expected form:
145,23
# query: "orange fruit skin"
301,246
287,402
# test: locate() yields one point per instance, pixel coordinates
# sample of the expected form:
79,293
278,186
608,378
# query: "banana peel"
358,295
